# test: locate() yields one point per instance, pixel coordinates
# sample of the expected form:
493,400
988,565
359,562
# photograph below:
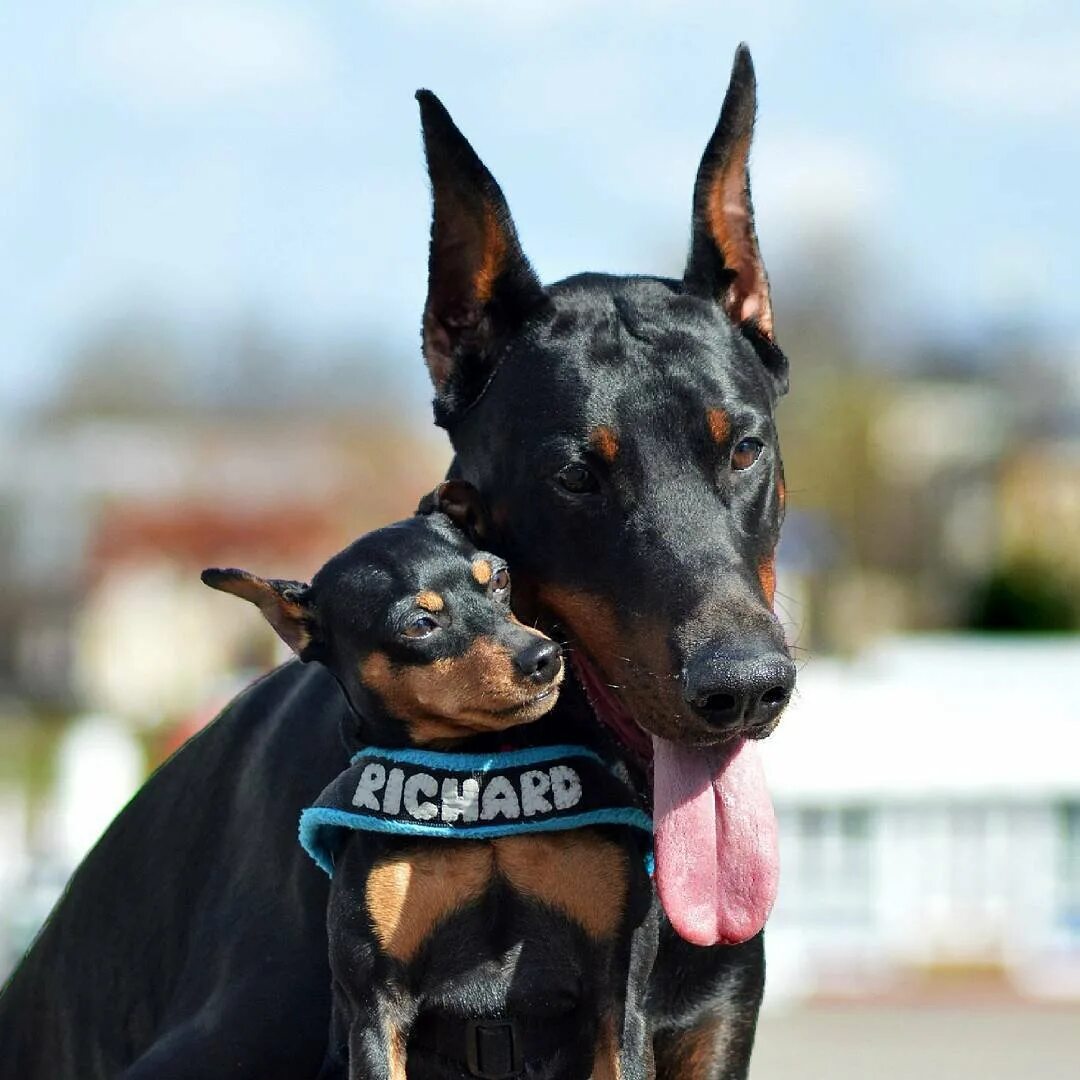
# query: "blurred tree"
143,365
1024,597
133,366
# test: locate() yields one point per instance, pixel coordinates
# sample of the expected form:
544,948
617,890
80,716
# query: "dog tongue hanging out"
717,862
717,858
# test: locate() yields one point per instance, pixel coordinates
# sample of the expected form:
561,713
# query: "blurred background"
213,219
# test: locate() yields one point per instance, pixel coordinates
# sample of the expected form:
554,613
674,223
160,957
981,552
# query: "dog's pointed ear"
480,285
285,604
725,260
462,504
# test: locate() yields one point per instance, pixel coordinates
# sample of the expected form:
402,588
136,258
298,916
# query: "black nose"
540,660
739,688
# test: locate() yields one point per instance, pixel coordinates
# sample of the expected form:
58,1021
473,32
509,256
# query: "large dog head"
621,429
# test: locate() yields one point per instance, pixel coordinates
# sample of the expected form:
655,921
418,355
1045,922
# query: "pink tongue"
716,847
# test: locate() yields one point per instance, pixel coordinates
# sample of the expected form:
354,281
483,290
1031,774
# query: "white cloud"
822,182
193,53
1036,76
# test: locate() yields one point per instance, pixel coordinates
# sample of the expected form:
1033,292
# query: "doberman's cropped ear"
462,504
285,604
725,261
480,285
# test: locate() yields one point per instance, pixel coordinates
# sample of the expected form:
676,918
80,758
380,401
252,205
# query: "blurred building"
929,803
108,521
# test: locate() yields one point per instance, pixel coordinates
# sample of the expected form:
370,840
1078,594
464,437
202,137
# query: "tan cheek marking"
633,659
452,696
481,571
719,425
591,618
781,491
430,601
408,897
767,577
579,874
605,442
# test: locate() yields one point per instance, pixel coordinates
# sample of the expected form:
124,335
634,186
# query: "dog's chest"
581,876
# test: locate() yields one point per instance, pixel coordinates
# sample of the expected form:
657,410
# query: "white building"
929,803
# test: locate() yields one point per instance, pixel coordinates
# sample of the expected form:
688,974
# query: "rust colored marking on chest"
408,896
580,874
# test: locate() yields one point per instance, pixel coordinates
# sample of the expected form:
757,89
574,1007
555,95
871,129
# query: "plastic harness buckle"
493,1049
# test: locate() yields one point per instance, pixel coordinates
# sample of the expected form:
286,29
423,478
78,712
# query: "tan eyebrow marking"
719,424
430,601
481,570
605,442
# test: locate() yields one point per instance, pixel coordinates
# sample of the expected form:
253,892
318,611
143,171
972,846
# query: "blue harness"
433,795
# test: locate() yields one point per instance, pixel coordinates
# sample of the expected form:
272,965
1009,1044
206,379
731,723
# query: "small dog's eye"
577,478
746,453
500,582
421,627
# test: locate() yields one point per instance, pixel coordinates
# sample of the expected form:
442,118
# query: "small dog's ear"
285,604
462,504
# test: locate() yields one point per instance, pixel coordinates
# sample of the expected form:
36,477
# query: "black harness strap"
494,1049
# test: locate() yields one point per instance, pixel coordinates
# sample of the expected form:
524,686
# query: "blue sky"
212,161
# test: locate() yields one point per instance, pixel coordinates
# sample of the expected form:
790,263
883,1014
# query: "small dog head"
414,621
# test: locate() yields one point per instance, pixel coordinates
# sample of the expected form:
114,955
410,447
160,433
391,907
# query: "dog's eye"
500,583
577,478
746,453
421,627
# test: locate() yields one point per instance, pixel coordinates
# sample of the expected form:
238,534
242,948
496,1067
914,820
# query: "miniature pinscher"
490,910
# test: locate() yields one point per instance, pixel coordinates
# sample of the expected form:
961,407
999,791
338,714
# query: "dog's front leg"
704,1008
625,1046
378,1042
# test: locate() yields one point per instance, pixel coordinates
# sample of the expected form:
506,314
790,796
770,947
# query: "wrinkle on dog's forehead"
655,344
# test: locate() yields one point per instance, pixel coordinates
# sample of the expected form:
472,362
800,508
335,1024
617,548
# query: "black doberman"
621,431
472,923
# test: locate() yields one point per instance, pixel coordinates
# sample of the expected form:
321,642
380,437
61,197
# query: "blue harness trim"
423,793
